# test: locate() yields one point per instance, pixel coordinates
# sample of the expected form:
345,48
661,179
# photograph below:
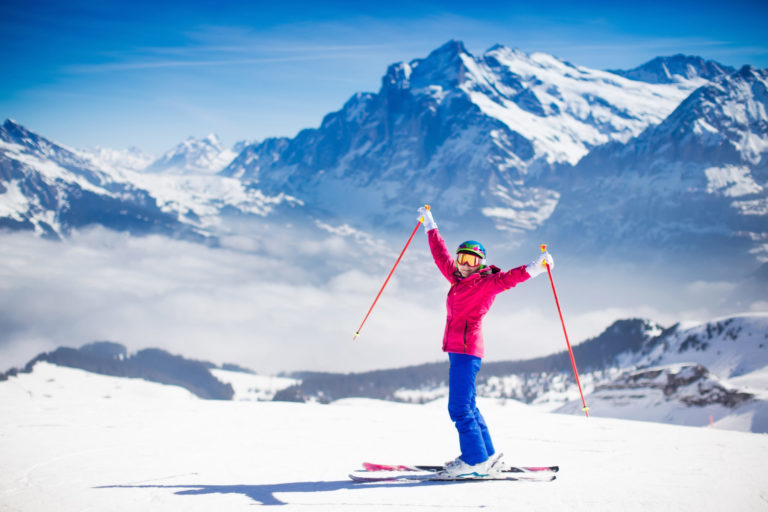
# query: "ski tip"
370,466
553,469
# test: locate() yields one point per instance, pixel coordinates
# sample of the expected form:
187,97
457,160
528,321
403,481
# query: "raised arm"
440,253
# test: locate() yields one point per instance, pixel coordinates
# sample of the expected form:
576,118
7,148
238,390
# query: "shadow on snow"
265,494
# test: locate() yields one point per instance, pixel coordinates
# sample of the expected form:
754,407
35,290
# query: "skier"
474,286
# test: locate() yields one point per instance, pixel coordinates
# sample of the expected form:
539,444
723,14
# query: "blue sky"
120,74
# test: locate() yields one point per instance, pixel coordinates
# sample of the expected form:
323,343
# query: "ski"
433,476
372,467
372,472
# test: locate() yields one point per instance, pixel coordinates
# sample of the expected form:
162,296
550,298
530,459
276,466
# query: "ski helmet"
472,247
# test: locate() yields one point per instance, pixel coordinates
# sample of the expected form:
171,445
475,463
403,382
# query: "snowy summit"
194,156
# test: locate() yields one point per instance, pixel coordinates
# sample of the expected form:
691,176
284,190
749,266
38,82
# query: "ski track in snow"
73,441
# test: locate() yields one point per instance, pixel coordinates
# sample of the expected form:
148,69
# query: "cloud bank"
296,307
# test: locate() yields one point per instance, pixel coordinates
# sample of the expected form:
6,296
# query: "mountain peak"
211,139
722,115
204,155
14,130
497,47
11,123
675,69
452,47
443,67
750,73
500,49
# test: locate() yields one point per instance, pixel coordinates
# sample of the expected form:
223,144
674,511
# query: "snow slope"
250,386
77,441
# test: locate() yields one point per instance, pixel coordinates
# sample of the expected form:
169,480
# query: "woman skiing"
474,286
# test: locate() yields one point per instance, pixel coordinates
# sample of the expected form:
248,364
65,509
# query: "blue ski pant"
474,439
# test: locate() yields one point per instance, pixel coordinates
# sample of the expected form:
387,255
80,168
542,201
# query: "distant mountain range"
715,371
205,155
676,69
669,155
50,189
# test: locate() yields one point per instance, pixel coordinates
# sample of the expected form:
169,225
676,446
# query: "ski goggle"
465,258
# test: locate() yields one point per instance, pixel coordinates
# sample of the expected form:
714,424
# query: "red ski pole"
568,343
357,332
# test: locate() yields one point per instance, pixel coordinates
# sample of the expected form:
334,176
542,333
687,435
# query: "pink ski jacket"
470,298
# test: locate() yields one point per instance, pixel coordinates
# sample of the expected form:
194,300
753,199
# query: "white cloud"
284,300
710,287
217,304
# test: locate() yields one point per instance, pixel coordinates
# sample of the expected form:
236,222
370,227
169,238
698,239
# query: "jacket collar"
486,271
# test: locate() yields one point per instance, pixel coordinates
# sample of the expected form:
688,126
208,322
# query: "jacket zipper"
466,326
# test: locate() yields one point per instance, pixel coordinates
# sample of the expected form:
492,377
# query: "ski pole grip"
421,220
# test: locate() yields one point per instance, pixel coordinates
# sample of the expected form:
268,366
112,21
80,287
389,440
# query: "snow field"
74,441
253,387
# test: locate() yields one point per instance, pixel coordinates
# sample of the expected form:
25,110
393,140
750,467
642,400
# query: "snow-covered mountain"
717,369
638,370
505,140
698,180
713,372
682,394
52,189
194,156
635,369
201,378
155,365
676,69
466,133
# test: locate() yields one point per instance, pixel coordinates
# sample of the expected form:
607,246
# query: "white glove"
537,266
426,217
